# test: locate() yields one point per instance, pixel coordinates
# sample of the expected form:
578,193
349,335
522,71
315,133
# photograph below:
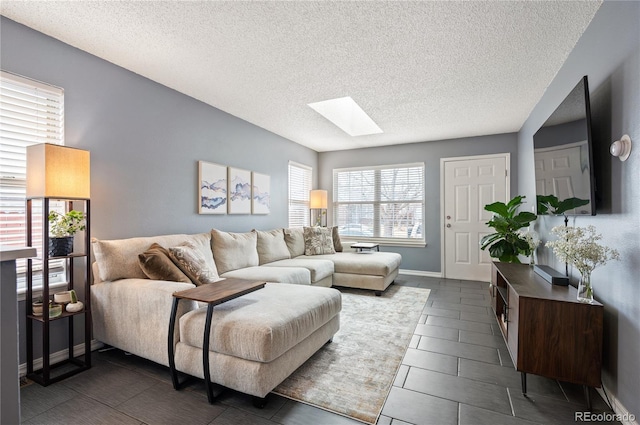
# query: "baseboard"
622,413
59,356
420,273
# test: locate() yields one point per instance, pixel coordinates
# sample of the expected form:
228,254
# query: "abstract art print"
239,192
261,195
212,188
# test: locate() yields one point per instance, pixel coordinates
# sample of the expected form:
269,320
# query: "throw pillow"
271,246
294,237
233,251
191,260
337,243
157,265
318,240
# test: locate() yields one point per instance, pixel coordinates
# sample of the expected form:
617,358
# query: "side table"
361,246
213,294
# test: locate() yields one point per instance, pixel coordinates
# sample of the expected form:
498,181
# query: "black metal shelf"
46,375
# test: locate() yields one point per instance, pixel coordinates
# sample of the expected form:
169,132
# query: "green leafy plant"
507,243
63,225
551,205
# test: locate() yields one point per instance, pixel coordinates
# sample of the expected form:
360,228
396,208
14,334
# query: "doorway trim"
443,161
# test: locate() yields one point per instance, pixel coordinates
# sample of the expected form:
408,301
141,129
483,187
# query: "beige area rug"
352,375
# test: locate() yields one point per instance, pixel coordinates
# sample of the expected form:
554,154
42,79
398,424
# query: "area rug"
352,375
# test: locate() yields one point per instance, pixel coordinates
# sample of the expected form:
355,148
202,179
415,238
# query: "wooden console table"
547,330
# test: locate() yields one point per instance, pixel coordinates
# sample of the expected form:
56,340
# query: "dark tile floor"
456,370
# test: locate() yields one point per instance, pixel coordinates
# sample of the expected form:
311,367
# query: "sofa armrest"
133,315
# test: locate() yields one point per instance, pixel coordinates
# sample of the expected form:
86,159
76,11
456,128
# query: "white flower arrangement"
532,238
579,247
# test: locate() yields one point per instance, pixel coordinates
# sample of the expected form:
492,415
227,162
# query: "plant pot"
60,247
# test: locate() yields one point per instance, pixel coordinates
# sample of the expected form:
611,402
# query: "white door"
468,185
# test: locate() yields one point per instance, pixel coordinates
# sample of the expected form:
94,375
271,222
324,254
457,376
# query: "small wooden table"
213,294
361,246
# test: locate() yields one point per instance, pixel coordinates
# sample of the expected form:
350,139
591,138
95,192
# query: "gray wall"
609,54
145,140
428,258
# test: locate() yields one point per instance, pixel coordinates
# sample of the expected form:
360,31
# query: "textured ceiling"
422,70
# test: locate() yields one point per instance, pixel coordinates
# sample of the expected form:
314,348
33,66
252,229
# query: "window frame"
295,203
377,202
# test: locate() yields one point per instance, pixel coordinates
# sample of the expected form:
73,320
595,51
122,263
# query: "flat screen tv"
562,150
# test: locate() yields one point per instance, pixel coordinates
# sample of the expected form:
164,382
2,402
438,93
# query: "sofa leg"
259,402
330,341
378,293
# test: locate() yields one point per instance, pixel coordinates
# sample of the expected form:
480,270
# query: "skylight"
347,115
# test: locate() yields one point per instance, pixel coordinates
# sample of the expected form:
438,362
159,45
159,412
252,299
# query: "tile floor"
456,370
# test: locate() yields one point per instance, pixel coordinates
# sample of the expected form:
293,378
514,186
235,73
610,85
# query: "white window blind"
299,186
385,202
30,112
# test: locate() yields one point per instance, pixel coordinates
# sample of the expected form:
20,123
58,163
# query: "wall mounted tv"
562,150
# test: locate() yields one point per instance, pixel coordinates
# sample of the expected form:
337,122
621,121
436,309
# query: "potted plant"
507,243
62,229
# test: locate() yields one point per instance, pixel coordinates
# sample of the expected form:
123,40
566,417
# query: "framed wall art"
212,188
239,191
261,193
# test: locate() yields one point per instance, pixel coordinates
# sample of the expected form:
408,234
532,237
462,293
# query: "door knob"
448,225
448,217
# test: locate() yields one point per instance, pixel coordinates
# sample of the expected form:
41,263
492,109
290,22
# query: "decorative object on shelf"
55,310
621,148
75,307
63,228
533,240
239,192
506,243
579,247
36,308
260,193
212,188
318,208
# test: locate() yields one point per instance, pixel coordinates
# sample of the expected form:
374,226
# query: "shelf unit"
46,375
548,332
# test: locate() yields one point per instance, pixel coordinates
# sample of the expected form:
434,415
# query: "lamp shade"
318,199
55,171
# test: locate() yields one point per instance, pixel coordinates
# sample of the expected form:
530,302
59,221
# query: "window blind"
384,202
300,177
30,112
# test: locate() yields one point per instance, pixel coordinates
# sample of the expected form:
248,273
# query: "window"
30,112
299,186
385,203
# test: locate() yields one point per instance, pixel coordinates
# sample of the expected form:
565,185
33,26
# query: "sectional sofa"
257,340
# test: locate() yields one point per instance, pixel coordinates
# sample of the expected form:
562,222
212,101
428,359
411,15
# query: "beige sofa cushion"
264,324
375,263
118,258
297,275
294,237
271,246
233,251
319,269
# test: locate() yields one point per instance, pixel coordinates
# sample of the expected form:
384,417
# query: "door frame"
443,161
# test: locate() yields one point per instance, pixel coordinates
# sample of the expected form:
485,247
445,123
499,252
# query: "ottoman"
259,339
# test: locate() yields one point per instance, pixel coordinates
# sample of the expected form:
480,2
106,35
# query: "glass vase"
585,290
